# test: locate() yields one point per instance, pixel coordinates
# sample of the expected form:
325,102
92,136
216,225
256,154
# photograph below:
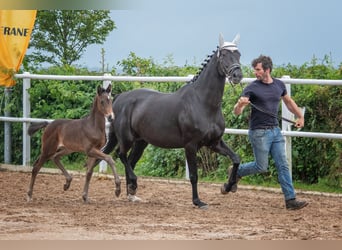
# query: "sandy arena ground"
166,211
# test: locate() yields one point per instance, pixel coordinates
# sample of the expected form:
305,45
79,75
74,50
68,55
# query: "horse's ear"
99,90
236,39
221,40
109,89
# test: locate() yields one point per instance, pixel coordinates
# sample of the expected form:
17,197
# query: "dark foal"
65,136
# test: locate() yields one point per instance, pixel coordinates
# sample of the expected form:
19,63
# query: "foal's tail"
35,127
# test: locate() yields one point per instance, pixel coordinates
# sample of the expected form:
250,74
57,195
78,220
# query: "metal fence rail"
290,133
26,119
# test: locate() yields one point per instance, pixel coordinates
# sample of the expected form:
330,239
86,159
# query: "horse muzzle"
110,117
235,75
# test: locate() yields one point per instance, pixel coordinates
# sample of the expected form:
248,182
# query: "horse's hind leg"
133,157
68,177
131,178
36,167
90,164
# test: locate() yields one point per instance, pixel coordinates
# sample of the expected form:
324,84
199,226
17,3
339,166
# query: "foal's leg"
223,149
90,169
117,180
36,167
57,160
98,154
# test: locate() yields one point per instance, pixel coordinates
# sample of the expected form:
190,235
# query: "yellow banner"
15,32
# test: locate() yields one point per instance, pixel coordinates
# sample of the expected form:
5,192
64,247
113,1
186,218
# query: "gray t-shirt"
267,98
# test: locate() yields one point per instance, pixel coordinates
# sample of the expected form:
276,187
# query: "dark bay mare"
188,118
65,136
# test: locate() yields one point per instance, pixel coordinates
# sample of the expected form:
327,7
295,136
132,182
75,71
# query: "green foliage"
14,109
162,162
69,33
54,99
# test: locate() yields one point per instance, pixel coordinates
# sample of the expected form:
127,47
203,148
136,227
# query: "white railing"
108,78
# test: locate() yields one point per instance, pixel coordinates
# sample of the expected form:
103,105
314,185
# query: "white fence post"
187,174
286,126
103,164
26,114
7,128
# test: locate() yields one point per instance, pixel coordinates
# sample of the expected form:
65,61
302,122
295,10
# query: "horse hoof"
133,198
117,192
200,204
67,184
204,207
28,198
223,189
85,199
131,191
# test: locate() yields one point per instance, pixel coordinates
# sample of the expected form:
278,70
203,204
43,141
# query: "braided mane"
204,64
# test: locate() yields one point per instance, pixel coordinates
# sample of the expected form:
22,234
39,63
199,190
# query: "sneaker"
234,187
293,204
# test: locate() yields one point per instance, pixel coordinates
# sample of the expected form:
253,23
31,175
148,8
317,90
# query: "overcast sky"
291,31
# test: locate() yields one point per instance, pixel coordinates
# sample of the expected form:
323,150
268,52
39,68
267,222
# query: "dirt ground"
165,212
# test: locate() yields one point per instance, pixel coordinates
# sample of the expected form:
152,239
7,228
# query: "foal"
65,136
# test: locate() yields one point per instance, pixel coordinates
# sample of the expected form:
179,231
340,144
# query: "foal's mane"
204,65
92,106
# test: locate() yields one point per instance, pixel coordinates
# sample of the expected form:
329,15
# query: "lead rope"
271,114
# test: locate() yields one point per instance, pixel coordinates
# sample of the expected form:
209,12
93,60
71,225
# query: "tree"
61,36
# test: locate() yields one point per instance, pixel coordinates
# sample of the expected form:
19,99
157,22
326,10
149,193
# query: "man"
264,95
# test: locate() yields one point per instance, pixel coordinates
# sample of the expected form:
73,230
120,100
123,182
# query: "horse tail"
111,141
35,127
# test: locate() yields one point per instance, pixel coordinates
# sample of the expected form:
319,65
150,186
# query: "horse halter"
231,69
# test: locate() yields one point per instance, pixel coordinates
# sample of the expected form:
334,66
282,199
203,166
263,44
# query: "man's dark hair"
266,62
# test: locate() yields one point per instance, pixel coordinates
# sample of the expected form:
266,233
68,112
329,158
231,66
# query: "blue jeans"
265,142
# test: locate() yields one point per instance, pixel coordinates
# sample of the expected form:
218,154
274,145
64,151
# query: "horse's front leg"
57,160
223,149
117,180
98,154
190,153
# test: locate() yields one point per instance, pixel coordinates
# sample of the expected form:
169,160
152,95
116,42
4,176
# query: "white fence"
108,78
